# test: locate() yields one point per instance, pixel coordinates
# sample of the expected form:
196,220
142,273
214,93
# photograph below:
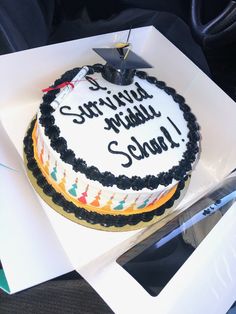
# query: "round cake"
110,156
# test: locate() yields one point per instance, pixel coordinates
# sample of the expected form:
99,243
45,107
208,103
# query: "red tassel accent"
64,84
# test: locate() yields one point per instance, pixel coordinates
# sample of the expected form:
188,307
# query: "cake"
111,156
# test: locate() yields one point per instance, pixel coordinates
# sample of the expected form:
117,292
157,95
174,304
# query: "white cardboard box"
35,238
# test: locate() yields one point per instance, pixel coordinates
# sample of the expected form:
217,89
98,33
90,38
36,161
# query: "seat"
216,33
24,24
42,22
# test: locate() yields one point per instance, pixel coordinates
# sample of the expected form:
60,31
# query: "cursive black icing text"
134,117
94,109
143,150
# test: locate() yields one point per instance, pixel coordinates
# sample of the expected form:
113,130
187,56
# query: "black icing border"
106,178
80,213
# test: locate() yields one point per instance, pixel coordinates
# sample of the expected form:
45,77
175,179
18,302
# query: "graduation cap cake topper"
121,63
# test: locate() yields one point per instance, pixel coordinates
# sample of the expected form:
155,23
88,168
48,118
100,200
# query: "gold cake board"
72,217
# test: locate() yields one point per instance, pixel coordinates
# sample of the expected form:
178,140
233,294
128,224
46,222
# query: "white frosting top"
135,130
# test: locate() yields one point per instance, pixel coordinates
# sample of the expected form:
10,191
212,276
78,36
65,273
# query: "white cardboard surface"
89,250
23,221
28,244
204,284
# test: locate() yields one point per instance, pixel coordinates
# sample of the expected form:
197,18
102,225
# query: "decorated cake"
112,147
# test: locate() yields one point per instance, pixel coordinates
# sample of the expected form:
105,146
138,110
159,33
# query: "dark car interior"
204,30
27,24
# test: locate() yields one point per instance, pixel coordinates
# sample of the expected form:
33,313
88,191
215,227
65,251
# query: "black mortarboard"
121,64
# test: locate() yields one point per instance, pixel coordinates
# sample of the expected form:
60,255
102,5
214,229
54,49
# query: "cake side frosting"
75,187
139,184
79,214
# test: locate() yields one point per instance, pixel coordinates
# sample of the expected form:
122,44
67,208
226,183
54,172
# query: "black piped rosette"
81,213
106,178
